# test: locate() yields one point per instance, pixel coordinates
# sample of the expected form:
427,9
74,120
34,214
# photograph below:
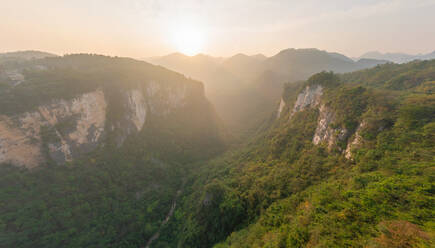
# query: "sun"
189,39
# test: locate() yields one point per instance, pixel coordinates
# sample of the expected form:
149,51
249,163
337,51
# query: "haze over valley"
225,124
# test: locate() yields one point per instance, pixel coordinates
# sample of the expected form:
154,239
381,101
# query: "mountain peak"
27,54
259,56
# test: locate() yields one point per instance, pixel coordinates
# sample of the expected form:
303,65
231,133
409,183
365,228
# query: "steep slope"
66,107
242,85
93,149
347,161
225,86
202,67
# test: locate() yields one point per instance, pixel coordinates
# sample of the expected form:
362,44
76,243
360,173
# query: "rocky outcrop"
20,143
137,108
280,108
66,129
324,132
166,97
309,98
356,141
77,103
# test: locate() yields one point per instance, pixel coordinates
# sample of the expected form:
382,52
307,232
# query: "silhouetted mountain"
227,80
25,55
244,66
367,63
398,57
299,64
203,67
259,56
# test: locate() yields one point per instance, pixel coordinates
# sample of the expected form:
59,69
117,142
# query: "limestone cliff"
66,107
280,108
355,142
326,132
308,98
69,128
66,128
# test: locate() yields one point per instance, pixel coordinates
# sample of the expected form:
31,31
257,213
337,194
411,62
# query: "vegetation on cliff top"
283,191
280,190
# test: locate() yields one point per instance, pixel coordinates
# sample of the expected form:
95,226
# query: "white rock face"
91,108
137,107
355,142
177,96
70,128
21,137
310,97
20,145
280,108
324,132
163,99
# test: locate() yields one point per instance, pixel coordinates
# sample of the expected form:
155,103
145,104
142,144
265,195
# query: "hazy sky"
142,28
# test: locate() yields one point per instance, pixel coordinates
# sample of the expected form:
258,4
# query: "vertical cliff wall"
327,132
79,107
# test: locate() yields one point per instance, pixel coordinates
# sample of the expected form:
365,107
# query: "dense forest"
281,190
118,194
278,189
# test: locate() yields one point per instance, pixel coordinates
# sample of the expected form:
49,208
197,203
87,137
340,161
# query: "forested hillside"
107,141
346,160
217,124
349,162
245,89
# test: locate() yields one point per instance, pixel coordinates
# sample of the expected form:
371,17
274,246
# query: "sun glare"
188,40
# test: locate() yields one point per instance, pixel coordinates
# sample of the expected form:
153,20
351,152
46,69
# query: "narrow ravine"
168,217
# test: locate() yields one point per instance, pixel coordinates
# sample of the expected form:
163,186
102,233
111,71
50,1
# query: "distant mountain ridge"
241,85
26,55
257,64
397,57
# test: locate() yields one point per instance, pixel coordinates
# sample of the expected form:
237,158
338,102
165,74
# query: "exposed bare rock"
68,128
165,98
72,127
78,125
357,140
280,108
324,132
91,108
137,108
309,98
19,145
